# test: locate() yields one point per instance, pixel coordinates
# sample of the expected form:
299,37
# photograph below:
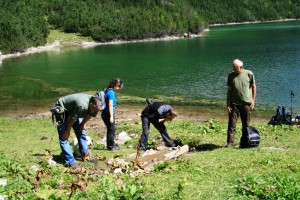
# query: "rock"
151,157
123,137
3,182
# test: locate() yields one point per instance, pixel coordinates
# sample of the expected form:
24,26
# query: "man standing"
241,95
73,111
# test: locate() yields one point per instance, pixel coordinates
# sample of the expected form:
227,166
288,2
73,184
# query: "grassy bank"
208,171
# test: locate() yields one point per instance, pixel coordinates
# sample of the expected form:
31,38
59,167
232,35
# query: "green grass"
209,171
66,39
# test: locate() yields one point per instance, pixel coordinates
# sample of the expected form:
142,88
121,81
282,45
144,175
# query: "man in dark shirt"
156,113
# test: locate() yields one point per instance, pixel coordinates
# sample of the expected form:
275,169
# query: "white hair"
238,63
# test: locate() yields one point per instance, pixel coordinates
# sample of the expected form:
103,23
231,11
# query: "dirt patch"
131,114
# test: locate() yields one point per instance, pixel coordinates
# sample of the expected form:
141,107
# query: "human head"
171,114
237,66
115,83
95,104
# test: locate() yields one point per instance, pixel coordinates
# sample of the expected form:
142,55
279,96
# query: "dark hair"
115,82
96,101
172,112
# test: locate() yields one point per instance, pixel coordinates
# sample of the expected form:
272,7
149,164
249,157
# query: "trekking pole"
292,95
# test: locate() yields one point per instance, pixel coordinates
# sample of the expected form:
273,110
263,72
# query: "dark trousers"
244,112
145,135
111,130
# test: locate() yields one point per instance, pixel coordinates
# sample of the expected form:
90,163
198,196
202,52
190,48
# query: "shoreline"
56,45
125,111
254,22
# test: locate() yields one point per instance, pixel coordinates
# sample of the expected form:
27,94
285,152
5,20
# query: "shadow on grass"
59,159
207,147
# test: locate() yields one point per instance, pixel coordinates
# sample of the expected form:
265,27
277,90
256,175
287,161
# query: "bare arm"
111,111
66,135
253,96
229,92
164,120
85,119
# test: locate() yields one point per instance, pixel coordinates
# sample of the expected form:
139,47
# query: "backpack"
281,117
253,138
58,113
101,96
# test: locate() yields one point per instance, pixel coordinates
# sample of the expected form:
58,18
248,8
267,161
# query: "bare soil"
131,114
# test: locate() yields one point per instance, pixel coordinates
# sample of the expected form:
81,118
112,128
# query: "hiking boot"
142,149
88,157
229,145
114,148
74,166
171,145
76,169
93,160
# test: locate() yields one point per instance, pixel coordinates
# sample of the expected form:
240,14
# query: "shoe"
76,169
88,157
93,160
74,166
171,145
142,149
229,145
114,148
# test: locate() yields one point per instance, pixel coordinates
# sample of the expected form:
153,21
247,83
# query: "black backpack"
252,140
281,117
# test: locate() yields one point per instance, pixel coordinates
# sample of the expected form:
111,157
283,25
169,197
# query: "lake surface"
195,67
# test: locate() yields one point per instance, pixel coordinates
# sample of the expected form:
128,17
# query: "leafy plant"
283,186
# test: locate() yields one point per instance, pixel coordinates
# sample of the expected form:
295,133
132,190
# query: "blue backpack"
281,117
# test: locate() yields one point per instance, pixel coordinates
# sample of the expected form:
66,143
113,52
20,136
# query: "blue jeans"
64,144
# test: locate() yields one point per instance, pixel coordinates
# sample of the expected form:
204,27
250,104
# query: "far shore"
56,45
254,22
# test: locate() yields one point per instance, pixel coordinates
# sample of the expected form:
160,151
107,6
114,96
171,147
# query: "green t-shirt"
241,85
76,105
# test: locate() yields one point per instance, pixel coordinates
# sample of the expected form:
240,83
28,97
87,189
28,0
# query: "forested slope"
26,23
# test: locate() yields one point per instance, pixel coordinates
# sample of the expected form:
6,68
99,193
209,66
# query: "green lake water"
194,68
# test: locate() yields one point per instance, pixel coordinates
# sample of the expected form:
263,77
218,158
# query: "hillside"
27,23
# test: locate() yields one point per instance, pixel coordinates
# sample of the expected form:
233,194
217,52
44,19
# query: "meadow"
207,171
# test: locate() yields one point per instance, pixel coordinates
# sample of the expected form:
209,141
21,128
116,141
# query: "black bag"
281,117
253,138
58,112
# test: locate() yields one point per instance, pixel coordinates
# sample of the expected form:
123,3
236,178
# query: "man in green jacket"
241,95
73,112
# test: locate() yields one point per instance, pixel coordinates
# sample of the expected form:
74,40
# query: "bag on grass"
281,117
253,138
